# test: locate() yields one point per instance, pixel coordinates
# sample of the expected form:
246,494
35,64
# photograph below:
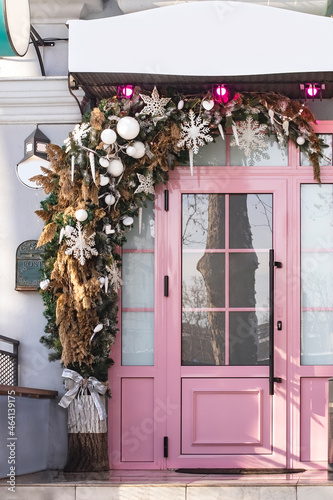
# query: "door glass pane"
317,279
137,347
141,236
248,280
203,221
137,292
326,160
268,153
316,274
203,280
251,220
317,338
211,154
316,216
203,337
138,280
249,338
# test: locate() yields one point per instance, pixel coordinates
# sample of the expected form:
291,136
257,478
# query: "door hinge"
166,200
166,286
165,446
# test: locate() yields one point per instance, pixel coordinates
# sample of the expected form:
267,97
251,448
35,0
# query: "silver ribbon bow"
81,386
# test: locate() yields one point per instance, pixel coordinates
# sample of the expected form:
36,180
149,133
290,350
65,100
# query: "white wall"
21,313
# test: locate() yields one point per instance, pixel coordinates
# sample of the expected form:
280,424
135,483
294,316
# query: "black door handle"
272,265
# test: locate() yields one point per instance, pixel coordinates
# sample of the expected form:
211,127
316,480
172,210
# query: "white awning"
318,7
210,38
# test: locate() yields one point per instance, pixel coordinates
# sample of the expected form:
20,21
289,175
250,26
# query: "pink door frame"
144,407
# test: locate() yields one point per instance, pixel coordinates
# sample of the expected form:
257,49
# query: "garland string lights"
100,180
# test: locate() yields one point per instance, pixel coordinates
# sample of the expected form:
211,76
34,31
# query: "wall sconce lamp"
313,90
125,91
34,157
220,93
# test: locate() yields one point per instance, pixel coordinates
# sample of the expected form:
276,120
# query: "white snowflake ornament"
146,184
194,133
154,104
80,245
114,277
250,136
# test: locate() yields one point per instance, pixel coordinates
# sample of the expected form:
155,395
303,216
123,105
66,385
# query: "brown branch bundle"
48,234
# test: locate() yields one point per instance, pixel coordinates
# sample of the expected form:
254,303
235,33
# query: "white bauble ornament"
300,140
110,199
128,221
104,162
108,136
140,150
130,150
128,128
116,168
103,180
180,104
81,215
101,280
208,105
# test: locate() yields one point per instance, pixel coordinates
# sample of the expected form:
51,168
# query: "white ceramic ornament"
128,128
103,180
81,215
104,162
108,229
300,140
208,105
68,231
110,199
116,168
128,221
101,280
98,328
140,150
108,136
180,104
44,284
65,231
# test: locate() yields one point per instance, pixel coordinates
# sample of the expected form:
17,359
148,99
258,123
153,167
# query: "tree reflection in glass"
215,261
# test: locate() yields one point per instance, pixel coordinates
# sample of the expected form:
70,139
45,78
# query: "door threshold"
240,471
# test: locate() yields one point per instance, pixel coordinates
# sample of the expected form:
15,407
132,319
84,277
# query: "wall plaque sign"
29,263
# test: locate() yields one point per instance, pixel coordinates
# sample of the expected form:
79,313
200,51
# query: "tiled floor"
169,485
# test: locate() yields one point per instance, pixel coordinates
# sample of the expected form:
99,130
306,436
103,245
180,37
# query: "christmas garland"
98,182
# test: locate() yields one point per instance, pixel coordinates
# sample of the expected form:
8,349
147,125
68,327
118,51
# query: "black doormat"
239,471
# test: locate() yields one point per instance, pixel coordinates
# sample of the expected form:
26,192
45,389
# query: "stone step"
168,485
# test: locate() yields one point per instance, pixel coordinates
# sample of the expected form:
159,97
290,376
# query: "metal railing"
8,361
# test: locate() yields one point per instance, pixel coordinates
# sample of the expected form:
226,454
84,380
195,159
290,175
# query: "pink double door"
226,328
223,321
